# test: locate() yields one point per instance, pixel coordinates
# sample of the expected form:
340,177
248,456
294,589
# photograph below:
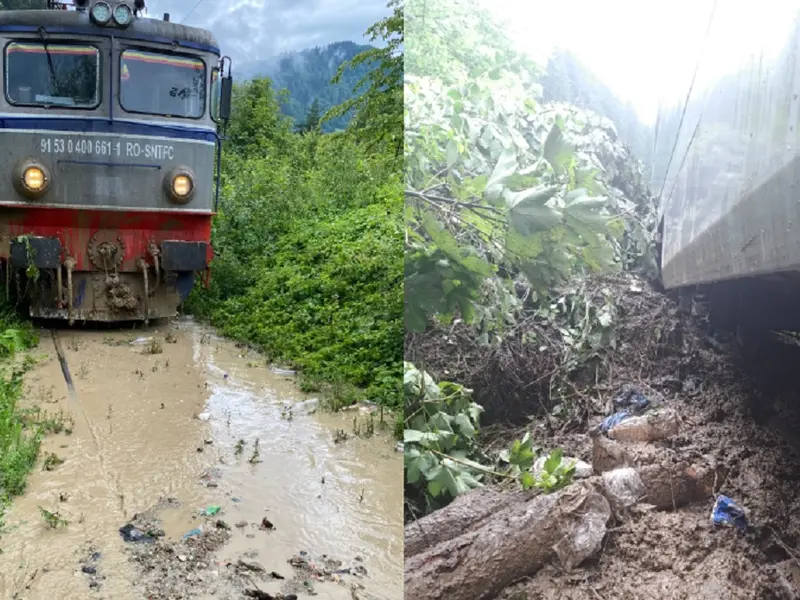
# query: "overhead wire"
198,3
686,101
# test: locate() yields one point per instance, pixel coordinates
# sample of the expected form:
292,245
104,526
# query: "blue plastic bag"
613,420
727,512
632,401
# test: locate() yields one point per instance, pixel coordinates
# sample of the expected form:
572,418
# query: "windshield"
72,82
162,84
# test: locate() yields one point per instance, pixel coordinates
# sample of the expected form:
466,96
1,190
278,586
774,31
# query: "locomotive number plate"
98,148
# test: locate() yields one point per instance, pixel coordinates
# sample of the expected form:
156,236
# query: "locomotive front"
108,132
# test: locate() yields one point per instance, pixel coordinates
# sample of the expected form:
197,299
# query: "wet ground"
170,421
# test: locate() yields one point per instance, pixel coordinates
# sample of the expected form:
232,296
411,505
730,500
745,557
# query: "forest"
306,76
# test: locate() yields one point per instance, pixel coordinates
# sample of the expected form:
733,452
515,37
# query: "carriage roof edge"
146,28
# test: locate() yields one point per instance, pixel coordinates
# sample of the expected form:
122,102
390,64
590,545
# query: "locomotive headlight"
123,15
31,178
101,13
179,185
182,186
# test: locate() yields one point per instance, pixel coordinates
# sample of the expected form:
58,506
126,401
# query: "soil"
745,420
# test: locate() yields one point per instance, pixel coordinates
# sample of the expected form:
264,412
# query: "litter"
204,416
287,372
627,404
193,533
727,512
130,533
654,426
212,510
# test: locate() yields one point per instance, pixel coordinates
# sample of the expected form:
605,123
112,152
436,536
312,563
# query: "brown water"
167,423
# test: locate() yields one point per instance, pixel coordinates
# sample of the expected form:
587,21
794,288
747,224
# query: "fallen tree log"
465,512
498,545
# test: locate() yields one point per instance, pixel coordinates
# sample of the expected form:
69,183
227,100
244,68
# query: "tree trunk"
492,539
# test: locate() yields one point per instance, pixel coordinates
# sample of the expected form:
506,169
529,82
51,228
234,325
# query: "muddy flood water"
177,427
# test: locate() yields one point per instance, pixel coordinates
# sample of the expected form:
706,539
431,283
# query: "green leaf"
553,460
556,149
506,166
452,153
537,196
465,425
526,479
412,435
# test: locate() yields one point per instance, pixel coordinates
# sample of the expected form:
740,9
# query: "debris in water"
130,533
250,566
727,512
287,372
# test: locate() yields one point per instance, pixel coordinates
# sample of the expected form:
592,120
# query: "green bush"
308,242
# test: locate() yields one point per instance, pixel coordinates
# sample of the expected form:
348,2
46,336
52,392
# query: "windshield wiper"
42,34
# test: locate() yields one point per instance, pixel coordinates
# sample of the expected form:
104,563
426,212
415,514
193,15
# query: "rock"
89,569
182,557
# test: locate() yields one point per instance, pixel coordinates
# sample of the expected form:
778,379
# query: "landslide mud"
164,430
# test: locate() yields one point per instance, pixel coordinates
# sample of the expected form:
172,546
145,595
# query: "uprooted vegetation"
639,521
568,429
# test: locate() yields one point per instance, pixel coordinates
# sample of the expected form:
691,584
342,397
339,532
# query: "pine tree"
313,116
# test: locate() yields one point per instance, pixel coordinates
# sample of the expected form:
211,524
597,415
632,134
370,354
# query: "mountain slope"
306,75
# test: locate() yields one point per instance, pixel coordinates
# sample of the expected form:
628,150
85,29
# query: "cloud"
257,30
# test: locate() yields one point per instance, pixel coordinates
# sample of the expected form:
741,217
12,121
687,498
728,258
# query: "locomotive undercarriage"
46,278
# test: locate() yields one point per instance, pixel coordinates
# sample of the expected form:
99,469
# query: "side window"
216,93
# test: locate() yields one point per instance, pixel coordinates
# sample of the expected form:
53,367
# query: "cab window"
162,84
64,75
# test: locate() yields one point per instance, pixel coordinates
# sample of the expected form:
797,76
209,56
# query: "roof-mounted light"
101,13
123,15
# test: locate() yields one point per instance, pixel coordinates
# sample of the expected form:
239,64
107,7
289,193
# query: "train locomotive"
109,143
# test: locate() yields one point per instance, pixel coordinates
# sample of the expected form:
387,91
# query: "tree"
313,118
378,112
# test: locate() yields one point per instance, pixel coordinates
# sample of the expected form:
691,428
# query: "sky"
255,30
646,51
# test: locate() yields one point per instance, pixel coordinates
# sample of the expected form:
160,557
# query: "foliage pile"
308,239
513,208
442,457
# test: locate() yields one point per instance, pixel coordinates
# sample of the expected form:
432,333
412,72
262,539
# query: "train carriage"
108,141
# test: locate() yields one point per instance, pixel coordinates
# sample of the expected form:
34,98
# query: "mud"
739,412
171,422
